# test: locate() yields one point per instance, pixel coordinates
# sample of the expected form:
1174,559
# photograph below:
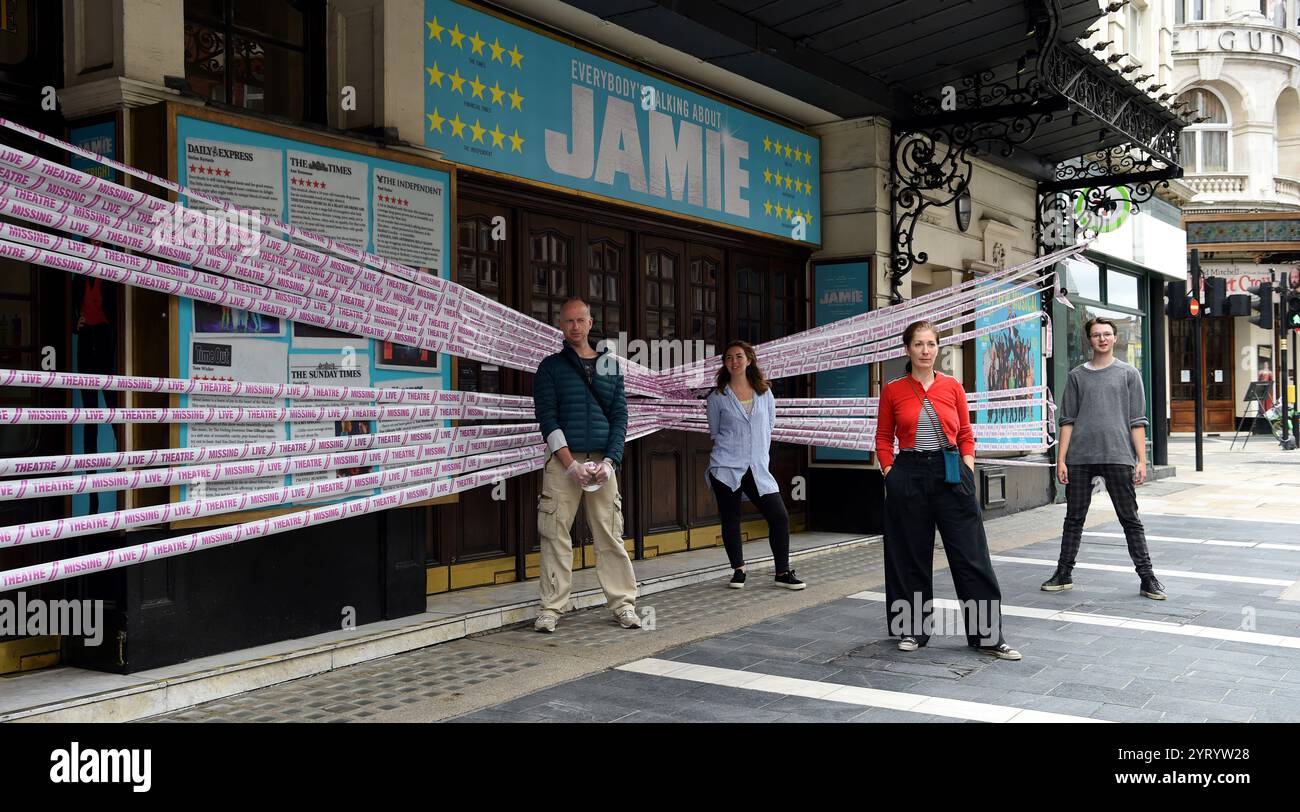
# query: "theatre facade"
692,182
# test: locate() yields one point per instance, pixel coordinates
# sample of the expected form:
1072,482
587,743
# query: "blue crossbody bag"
951,457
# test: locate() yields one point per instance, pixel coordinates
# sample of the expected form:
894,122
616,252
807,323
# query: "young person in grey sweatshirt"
1103,434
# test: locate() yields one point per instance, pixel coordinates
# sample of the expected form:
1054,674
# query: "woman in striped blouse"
926,412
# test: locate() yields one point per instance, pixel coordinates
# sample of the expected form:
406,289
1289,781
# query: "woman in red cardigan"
926,411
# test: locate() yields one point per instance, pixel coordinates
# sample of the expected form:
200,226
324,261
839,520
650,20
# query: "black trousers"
771,506
1123,495
917,501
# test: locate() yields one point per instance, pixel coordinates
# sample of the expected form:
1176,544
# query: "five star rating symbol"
457,81
310,184
493,51
200,169
396,201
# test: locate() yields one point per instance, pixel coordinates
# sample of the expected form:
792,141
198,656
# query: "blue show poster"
1011,358
841,290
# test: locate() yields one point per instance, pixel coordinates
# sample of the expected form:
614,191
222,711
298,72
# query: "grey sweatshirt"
1103,405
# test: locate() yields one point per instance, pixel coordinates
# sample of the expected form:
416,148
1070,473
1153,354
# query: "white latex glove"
577,474
604,472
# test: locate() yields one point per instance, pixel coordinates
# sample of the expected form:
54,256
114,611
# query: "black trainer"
737,580
1059,581
788,581
1153,589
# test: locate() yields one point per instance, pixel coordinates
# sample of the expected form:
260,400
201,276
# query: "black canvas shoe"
789,581
737,580
1153,589
1059,581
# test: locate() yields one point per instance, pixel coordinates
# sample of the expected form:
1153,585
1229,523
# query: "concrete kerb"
208,684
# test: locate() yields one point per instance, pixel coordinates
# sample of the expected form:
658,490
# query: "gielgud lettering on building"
690,156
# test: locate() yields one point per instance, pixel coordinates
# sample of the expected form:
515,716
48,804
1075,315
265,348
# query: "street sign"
1194,307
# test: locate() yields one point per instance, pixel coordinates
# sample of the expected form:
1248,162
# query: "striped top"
928,437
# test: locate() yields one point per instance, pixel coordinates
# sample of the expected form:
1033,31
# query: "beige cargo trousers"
555,512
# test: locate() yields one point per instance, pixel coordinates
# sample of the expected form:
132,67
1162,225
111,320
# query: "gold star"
435,120
457,126
516,58
767,176
767,207
476,44
497,93
798,155
477,87
787,150
457,81
478,131
435,30
498,137
497,50
778,178
767,144
516,100
799,213
810,218
435,75
807,158
778,147
516,143
787,181
807,188
457,38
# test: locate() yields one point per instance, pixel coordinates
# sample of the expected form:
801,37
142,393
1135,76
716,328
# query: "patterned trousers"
1123,495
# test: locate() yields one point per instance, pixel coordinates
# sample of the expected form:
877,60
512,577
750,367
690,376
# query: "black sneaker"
1002,651
1059,581
737,580
788,581
1153,589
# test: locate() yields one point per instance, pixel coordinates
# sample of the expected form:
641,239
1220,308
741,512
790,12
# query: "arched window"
1205,145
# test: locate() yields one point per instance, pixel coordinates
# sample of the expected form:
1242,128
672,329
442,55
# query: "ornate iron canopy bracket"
930,157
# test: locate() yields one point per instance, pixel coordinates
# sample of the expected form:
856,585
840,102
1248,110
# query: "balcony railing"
1218,183
1287,187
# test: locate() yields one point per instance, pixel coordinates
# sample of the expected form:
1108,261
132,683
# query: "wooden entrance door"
1217,374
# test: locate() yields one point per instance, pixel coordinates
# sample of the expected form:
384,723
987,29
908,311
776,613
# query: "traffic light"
1261,301
1292,310
1176,296
1216,295
1238,305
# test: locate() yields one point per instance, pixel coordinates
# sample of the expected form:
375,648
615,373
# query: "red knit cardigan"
900,407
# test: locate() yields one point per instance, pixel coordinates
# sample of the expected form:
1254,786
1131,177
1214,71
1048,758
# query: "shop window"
1083,279
1128,335
1122,289
261,55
